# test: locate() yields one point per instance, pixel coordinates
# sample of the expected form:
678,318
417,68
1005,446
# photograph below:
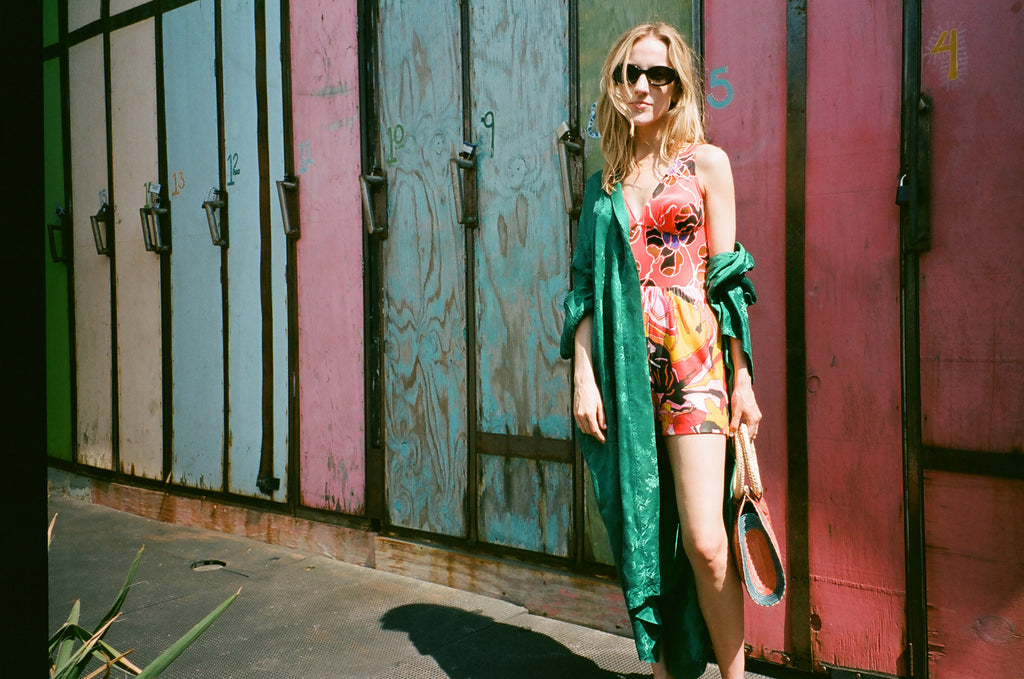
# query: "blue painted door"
520,95
257,346
425,423
197,356
477,431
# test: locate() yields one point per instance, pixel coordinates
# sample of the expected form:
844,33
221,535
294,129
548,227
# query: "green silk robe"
638,511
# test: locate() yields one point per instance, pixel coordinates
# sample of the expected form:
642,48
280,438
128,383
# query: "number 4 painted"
947,42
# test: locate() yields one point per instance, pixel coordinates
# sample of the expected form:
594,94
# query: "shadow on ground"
468,645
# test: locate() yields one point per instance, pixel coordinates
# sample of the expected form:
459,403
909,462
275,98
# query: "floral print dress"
684,347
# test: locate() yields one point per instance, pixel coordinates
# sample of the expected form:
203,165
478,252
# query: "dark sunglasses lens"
660,75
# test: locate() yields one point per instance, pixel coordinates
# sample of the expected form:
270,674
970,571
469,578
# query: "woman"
657,221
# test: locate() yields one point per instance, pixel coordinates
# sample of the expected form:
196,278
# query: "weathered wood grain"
197,368
93,364
749,42
975,526
520,96
854,436
424,258
972,352
525,504
326,148
137,272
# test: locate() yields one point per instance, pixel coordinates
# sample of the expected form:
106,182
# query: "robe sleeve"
580,299
730,292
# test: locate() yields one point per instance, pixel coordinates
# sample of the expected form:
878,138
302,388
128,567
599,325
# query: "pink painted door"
325,120
834,288
744,77
972,351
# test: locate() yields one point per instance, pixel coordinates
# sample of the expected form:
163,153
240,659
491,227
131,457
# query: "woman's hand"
587,406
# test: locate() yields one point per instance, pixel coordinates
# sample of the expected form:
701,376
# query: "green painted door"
58,257
600,23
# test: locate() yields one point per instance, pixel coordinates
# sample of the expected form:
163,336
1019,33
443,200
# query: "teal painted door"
57,255
190,95
477,430
600,23
425,423
94,414
520,93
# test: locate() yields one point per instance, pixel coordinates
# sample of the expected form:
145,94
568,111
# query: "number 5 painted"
717,81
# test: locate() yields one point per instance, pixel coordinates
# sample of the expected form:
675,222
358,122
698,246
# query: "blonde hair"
685,122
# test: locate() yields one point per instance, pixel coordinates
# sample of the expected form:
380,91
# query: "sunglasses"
656,75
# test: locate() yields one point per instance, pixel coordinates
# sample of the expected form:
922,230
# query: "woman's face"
649,103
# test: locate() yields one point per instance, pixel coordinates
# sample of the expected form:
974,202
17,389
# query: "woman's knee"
708,552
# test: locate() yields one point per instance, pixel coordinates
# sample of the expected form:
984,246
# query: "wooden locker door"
326,150
424,314
94,415
137,271
972,354
855,539
520,86
57,244
600,23
255,262
197,344
745,106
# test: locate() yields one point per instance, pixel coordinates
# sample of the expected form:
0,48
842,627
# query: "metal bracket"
216,208
101,229
286,194
570,160
463,170
373,188
52,230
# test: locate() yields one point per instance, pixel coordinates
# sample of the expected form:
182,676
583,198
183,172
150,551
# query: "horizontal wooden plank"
337,542
589,601
529,447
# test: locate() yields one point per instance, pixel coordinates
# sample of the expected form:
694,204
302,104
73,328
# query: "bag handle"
746,465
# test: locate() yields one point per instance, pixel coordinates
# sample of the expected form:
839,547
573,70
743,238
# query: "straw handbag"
754,543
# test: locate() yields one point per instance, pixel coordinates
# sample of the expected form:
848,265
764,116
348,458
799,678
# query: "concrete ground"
299,614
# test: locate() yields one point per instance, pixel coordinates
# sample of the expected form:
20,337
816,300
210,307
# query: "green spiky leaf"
176,649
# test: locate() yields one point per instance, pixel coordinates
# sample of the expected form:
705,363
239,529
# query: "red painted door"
972,354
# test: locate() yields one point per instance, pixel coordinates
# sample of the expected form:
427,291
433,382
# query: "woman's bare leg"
698,470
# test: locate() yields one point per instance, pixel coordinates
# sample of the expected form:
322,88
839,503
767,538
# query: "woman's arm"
587,408
714,174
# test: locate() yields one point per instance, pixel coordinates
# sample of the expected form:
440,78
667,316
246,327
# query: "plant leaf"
165,658
49,531
80,658
64,649
109,663
116,608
